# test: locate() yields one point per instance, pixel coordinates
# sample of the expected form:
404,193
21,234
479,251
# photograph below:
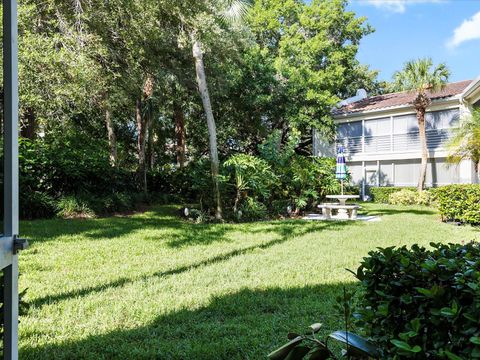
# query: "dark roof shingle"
399,98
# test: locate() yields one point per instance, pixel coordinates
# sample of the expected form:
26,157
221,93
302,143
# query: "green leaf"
405,347
475,340
320,353
415,323
472,285
298,352
452,356
282,352
357,344
407,335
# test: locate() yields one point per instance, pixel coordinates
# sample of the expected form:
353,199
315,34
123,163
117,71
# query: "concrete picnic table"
344,211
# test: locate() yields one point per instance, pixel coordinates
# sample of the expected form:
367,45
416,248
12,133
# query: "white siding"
356,172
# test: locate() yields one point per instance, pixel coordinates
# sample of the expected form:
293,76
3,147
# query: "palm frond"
420,75
235,10
465,143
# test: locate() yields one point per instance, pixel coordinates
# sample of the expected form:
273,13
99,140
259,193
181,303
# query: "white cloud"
468,30
397,6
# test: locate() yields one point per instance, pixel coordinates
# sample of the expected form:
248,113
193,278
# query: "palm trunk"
150,153
141,145
477,171
29,127
423,144
112,139
179,119
143,123
212,130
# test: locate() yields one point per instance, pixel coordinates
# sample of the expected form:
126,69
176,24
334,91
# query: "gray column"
10,221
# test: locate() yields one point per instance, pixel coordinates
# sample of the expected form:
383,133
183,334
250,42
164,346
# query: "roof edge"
470,89
440,101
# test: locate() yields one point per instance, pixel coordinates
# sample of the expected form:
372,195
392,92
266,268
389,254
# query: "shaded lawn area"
151,286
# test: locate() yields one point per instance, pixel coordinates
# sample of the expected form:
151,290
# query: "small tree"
422,79
465,143
230,11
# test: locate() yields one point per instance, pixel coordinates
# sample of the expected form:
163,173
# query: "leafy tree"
421,78
312,48
465,143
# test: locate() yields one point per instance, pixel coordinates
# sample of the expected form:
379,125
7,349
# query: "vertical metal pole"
10,221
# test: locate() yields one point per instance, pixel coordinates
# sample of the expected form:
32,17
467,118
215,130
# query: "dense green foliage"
459,203
71,177
381,194
152,286
420,303
277,182
108,89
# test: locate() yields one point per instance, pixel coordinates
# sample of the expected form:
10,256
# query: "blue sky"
445,30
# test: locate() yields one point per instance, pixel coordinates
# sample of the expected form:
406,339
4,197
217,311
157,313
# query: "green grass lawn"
151,286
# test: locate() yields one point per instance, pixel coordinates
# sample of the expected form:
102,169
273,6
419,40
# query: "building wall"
385,150
404,172
396,134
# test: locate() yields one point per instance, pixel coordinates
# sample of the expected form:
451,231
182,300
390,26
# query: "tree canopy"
121,74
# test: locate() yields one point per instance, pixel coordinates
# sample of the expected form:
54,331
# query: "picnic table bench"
345,211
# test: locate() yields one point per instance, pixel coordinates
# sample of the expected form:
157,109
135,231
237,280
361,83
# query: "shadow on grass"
245,325
283,231
395,211
165,218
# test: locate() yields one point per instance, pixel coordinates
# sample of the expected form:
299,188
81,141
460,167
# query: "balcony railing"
436,139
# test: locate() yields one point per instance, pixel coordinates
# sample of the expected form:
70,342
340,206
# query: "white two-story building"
381,138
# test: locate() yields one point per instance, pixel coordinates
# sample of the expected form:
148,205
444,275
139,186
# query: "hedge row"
382,194
422,304
459,203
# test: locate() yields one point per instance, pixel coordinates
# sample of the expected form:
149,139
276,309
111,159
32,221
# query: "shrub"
71,206
425,198
410,197
252,178
252,209
36,204
403,197
382,194
459,203
303,180
420,303
198,216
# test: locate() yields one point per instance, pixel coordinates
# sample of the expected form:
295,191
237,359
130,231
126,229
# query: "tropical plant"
253,178
465,143
310,346
421,78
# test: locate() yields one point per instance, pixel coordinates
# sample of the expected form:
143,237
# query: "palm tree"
231,11
422,78
465,143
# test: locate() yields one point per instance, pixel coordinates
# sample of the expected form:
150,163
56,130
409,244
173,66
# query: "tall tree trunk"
29,126
179,120
212,130
112,139
423,144
142,129
141,144
477,171
150,151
